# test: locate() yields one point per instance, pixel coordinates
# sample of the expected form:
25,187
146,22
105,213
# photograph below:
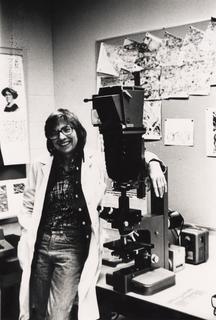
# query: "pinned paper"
179,132
152,120
104,65
13,124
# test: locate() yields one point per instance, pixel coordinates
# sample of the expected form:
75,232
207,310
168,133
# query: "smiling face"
65,138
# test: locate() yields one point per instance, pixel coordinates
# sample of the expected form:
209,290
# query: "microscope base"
152,281
145,282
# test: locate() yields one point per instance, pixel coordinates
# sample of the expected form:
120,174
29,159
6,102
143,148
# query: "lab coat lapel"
90,185
46,166
43,176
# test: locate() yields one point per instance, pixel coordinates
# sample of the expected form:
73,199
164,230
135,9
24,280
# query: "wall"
76,28
26,25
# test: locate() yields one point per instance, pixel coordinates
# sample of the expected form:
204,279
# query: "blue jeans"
56,271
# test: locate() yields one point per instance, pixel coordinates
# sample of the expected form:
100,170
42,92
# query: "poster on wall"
166,67
151,69
152,120
11,196
13,114
168,55
178,132
210,132
209,42
116,64
195,61
104,65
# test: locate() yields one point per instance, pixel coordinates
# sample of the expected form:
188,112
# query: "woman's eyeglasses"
66,130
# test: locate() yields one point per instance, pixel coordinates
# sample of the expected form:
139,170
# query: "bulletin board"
177,68
14,144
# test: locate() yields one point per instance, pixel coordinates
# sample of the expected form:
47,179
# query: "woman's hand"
158,179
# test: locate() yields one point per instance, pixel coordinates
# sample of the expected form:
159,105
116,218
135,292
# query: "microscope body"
142,247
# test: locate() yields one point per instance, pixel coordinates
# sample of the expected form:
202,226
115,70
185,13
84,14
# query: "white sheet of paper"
179,132
104,65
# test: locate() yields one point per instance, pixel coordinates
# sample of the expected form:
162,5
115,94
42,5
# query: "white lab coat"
29,218
92,179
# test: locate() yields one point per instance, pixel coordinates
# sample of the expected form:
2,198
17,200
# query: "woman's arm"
156,170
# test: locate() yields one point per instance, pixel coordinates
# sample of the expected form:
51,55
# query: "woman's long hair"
70,118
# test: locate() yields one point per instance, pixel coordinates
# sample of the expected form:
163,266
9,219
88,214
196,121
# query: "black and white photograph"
107,160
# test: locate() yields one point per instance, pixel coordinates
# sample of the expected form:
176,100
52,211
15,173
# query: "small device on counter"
196,243
176,258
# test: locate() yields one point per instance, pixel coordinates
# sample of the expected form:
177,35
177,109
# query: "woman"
60,246
10,95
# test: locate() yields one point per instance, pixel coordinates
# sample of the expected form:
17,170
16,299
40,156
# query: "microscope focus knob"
154,258
187,239
126,223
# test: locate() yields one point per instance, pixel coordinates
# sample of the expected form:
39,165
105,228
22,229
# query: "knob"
126,223
154,258
187,239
